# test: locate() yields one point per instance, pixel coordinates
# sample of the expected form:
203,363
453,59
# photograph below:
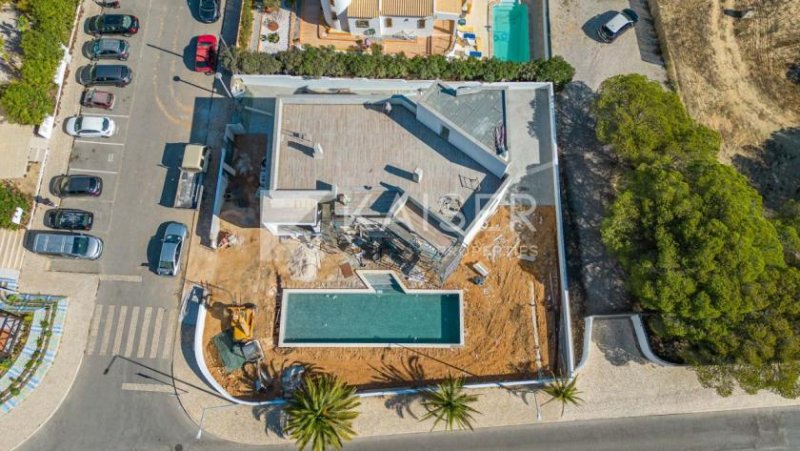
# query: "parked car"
106,75
90,127
73,245
617,25
208,11
169,260
108,48
124,24
205,56
94,98
69,219
78,185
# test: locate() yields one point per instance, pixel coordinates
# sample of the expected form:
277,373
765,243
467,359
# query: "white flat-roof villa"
389,18
415,167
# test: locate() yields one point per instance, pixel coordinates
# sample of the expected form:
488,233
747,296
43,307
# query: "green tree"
699,252
645,123
12,198
321,413
26,103
447,403
564,391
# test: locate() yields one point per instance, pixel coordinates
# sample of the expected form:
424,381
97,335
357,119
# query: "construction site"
510,317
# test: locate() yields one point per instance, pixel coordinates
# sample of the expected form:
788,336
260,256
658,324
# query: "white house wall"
406,26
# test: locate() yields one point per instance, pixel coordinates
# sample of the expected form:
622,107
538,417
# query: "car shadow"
154,247
592,25
194,6
189,52
171,161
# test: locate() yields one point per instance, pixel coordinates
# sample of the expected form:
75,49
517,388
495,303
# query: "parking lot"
574,25
166,102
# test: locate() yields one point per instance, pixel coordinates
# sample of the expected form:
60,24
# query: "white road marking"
94,329
123,313
148,312
156,333
153,388
167,351
132,331
120,278
99,171
107,330
99,142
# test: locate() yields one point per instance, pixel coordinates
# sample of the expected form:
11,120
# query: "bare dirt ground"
500,340
734,76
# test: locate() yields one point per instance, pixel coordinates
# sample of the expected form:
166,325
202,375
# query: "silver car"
72,245
169,260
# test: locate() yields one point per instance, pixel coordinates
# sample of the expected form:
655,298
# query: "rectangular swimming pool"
510,32
384,314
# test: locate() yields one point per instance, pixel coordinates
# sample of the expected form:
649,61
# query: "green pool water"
510,32
389,316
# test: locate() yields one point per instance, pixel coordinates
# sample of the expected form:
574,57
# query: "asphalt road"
763,429
125,403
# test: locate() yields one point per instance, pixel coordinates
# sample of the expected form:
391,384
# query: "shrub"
326,61
246,24
45,25
14,390
11,198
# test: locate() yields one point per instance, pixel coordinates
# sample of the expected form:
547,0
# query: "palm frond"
565,391
447,403
322,412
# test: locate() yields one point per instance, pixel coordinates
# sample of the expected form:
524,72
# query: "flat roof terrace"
362,146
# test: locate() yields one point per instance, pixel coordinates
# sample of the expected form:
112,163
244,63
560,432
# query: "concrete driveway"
573,28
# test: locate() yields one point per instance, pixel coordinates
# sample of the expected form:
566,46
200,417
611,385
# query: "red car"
205,57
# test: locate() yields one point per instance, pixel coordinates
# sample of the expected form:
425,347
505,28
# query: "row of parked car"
83,246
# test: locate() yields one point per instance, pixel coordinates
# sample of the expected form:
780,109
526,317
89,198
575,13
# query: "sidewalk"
616,382
81,289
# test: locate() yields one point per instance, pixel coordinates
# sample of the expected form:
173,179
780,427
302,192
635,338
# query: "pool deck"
370,289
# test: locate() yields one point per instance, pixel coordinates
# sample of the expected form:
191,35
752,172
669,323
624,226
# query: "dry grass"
731,73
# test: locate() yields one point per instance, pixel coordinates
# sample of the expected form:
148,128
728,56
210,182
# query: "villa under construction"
405,170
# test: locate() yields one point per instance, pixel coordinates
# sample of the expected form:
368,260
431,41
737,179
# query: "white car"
91,127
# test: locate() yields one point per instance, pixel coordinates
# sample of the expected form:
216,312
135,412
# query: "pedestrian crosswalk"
11,250
132,331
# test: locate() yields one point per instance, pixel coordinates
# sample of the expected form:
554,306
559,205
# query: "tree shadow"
588,171
410,373
617,340
773,167
646,36
274,419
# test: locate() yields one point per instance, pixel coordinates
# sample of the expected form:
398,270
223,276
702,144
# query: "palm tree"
322,413
448,403
564,391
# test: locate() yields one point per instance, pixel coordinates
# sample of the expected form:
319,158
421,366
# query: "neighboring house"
415,168
397,19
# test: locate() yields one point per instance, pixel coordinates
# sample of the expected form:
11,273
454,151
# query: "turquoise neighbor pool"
510,32
384,314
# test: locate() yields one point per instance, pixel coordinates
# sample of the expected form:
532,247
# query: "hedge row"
11,198
45,25
326,61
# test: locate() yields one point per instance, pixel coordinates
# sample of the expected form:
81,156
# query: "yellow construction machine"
242,317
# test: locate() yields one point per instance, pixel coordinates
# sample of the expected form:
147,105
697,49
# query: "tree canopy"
699,252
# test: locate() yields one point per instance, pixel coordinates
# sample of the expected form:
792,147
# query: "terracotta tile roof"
363,9
407,8
449,6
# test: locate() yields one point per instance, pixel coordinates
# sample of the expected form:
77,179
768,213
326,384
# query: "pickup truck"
193,169
73,245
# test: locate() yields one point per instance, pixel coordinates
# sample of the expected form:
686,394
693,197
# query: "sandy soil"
731,73
498,319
